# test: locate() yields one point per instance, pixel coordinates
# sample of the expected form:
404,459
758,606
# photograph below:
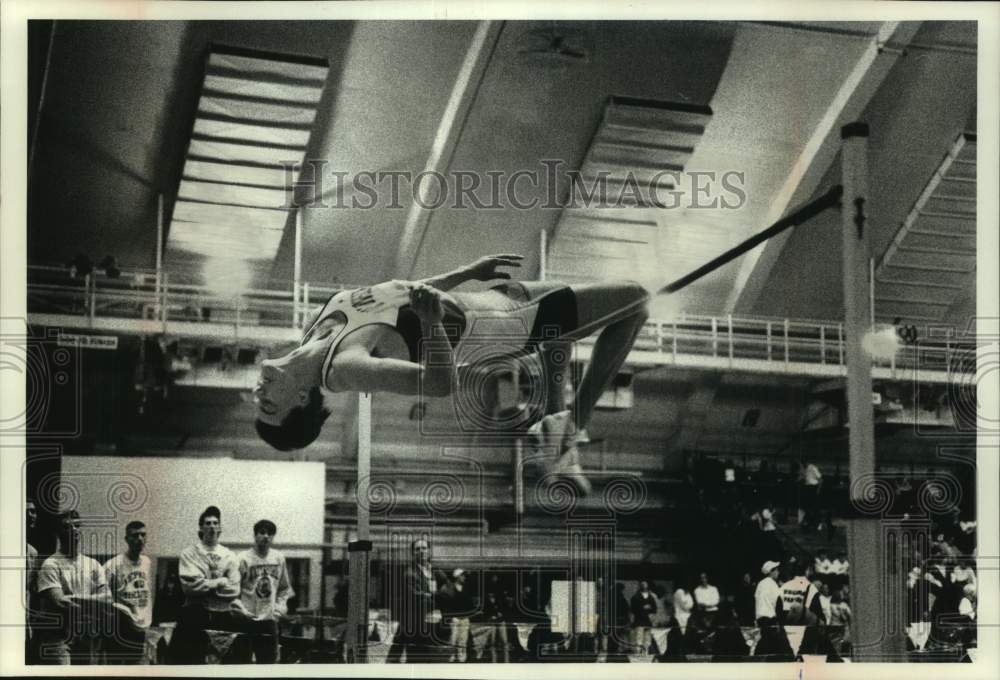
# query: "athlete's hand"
485,268
426,303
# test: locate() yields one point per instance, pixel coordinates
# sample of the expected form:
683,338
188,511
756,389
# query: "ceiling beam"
857,89
449,131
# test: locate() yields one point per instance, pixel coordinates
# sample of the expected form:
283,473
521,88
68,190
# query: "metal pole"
159,245
359,551
90,286
874,635
518,445
41,100
542,252
297,271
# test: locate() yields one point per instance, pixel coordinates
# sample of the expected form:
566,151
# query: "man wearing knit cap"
210,580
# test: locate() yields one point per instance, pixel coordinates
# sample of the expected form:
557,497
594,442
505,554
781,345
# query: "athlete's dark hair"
301,426
134,524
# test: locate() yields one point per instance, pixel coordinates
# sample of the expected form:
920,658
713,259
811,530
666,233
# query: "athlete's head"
290,412
299,428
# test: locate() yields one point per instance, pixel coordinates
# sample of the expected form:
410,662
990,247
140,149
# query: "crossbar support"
359,551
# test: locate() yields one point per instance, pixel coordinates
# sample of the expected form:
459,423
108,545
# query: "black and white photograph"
428,333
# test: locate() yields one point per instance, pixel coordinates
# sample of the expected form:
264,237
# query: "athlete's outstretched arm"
483,269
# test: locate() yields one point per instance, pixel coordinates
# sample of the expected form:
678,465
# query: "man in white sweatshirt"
130,581
265,588
210,580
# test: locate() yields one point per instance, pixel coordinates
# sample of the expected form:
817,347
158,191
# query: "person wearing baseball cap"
457,606
210,579
767,597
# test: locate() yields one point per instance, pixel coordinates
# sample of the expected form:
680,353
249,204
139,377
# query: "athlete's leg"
619,310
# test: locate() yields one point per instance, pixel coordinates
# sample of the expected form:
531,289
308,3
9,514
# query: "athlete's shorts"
517,314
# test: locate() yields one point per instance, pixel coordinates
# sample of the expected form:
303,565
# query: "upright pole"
297,271
359,551
543,246
159,247
872,634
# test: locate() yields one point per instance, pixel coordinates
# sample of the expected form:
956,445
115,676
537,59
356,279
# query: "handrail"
727,339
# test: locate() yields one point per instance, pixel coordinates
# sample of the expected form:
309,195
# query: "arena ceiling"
120,101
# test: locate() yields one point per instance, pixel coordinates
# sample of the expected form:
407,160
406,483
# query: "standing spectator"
340,597
840,616
30,582
822,564
767,597
457,605
962,575
744,605
643,606
495,616
169,599
416,610
825,599
130,580
264,589
706,597
210,579
837,571
967,606
811,479
683,604
620,617
798,597
768,544
71,586
602,594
